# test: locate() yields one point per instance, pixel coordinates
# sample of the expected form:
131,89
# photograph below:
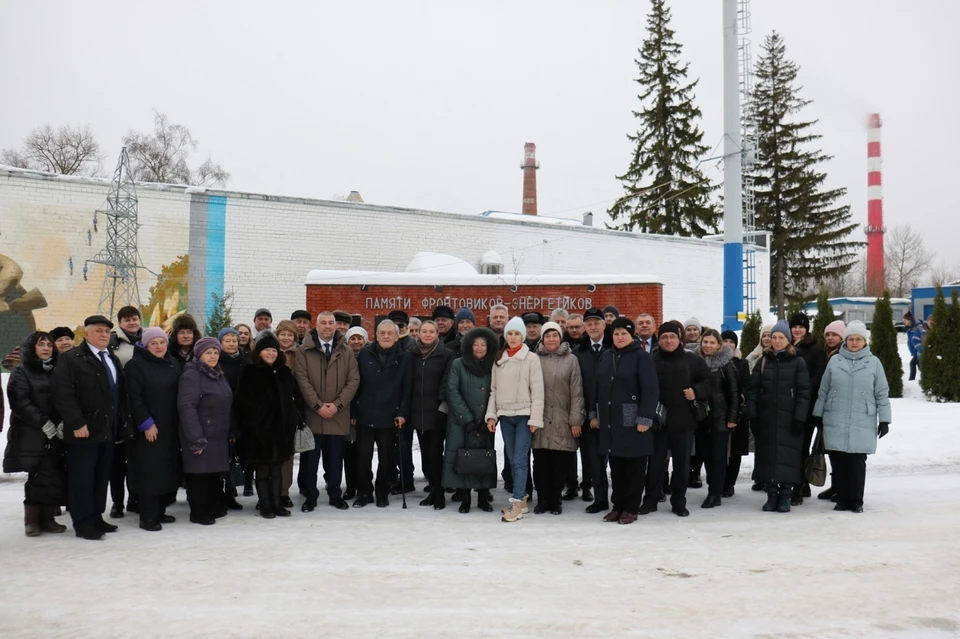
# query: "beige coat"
563,405
322,381
516,387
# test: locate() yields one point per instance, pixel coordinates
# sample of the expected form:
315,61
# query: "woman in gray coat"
205,404
468,391
854,410
555,445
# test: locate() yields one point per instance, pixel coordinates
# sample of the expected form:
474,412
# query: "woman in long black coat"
153,377
32,444
713,434
778,403
627,393
428,407
815,359
267,417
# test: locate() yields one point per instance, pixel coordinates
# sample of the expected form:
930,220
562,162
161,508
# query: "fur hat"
443,311
61,331
342,316
286,325
800,319
301,314
265,340
515,324
534,317
624,322
837,327
398,317
204,344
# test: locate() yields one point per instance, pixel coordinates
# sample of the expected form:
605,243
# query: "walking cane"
403,492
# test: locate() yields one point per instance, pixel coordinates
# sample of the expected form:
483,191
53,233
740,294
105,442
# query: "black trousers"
627,476
152,507
849,477
204,492
586,463
808,431
914,363
733,471
590,447
350,464
712,449
679,445
384,438
551,468
431,457
118,473
88,473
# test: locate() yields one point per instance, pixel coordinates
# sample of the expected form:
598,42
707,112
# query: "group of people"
218,414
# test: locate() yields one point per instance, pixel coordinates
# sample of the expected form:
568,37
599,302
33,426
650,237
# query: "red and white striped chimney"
874,229
529,166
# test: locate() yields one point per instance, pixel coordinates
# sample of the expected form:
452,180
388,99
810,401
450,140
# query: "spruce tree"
809,227
883,344
220,317
795,306
665,191
750,335
940,340
824,315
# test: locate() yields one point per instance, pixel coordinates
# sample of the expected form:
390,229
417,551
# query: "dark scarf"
427,349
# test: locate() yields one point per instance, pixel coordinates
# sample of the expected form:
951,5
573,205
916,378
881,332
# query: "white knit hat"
856,327
516,324
551,326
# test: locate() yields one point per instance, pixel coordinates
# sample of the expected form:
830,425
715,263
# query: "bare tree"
942,274
906,258
162,156
853,283
65,150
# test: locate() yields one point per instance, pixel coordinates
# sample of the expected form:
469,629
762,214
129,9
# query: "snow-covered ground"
728,572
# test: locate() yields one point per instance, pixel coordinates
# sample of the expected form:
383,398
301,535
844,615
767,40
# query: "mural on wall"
168,297
17,305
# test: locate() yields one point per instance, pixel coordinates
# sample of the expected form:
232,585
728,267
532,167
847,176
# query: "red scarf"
513,351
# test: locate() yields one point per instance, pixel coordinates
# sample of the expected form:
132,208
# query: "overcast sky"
428,104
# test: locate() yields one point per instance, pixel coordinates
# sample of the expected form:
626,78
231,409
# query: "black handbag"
236,469
473,462
660,416
701,410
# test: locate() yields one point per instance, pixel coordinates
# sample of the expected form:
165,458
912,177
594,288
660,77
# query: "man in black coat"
683,377
90,396
588,352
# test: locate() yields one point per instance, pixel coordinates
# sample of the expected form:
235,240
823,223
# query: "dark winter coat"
205,406
815,359
724,401
452,344
152,388
29,390
323,380
468,392
588,360
384,392
627,391
778,403
740,436
266,411
232,366
428,405
676,371
82,396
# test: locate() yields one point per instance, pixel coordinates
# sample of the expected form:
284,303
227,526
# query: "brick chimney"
529,166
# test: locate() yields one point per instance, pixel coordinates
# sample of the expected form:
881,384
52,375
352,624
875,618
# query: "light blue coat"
853,401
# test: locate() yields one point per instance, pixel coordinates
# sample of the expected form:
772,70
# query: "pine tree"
220,317
951,351
810,230
795,306
750,335
940,361
665,191
824,315
883,344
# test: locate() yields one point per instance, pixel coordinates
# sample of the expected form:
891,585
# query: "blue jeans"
516,441
330,448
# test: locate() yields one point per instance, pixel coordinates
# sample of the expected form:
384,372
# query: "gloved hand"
798,426
470,427
817,421
883,429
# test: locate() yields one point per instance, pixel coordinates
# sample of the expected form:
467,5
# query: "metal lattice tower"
748,143
120,255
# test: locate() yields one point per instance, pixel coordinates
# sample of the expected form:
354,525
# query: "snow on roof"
427,262
537,219
384,278
491,257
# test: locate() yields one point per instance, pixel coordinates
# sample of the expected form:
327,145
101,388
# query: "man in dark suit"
89,393
588,352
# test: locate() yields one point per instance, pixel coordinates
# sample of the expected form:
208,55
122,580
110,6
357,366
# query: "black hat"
61,331
444,311
730,335
595,313
398,317
800,319
97,319
301,314
266,339
342,316
669,327
533,318
623,322
610,308
263,311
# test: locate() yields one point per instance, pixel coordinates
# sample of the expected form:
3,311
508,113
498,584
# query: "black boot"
266,501
465,501
757,486
439,499
230,498
457,495
31,521
483,500
771,504
828,494
785,498
247,484
276,484
796,495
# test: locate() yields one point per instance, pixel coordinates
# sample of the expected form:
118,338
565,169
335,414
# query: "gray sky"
428,104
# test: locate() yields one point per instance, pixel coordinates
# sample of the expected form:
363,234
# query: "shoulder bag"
472,462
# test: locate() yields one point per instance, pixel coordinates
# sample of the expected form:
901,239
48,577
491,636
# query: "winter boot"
784,499
513,511
771,504
796,495
276,484
31,521
465,501
266,501
247,483
483,500
47,523
828,494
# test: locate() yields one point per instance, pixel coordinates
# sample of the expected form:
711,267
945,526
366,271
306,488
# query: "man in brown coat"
326,371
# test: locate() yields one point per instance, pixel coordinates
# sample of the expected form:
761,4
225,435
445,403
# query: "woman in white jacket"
516,400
